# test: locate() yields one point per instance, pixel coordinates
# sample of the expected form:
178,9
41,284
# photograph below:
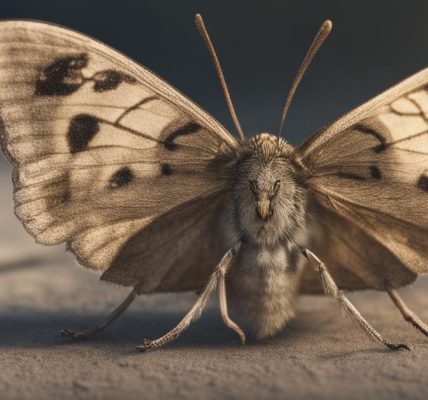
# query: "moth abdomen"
263,288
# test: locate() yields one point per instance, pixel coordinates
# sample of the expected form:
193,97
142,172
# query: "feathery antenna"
321,36
206,38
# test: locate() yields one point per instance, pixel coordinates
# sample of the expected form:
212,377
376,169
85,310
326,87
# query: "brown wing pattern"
101,148
369,178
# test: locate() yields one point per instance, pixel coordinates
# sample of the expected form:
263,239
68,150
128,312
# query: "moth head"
266,189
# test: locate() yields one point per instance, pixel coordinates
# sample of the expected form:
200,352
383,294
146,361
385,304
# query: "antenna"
206,38
321,36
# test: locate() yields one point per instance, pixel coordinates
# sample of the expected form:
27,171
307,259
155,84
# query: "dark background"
374,44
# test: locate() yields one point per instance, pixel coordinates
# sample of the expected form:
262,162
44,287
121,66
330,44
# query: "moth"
151,191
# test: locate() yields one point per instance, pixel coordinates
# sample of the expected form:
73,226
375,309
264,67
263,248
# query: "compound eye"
276,186
253,186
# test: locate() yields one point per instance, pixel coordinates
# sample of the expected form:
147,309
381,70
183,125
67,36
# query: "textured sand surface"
321,354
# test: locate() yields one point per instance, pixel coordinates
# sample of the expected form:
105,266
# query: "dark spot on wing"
62,77
185,130
375,172
110,79
382,146
350,175
166,169
423,183
66,195
121,178
82,129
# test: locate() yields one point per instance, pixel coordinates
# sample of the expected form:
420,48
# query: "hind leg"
98,328
407,314
331,289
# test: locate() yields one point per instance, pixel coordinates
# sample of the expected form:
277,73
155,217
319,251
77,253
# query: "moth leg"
330,288
92,331
197,308
407,314
223,305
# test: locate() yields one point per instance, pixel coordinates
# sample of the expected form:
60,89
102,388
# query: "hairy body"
268,218
262,288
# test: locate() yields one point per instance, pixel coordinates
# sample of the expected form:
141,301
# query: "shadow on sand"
27,328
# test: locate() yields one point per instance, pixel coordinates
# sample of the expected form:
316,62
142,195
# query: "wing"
102,150
355,259
181,249
368,174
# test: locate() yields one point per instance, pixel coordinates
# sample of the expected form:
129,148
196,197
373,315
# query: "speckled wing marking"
370,168
101,147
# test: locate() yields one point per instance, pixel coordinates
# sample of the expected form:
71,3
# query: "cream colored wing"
101,147
370,169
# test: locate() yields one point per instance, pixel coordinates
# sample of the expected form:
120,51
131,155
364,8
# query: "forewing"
370,168
101,147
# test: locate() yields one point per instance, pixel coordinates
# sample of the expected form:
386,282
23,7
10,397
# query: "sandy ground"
321,354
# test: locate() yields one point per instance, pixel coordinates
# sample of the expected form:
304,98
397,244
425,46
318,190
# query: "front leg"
330,288
197,308
223,304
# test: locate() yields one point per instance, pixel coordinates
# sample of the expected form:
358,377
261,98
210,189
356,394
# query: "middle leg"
197,308
331,288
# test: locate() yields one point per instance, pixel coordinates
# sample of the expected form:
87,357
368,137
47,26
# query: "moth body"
263,286
268,217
